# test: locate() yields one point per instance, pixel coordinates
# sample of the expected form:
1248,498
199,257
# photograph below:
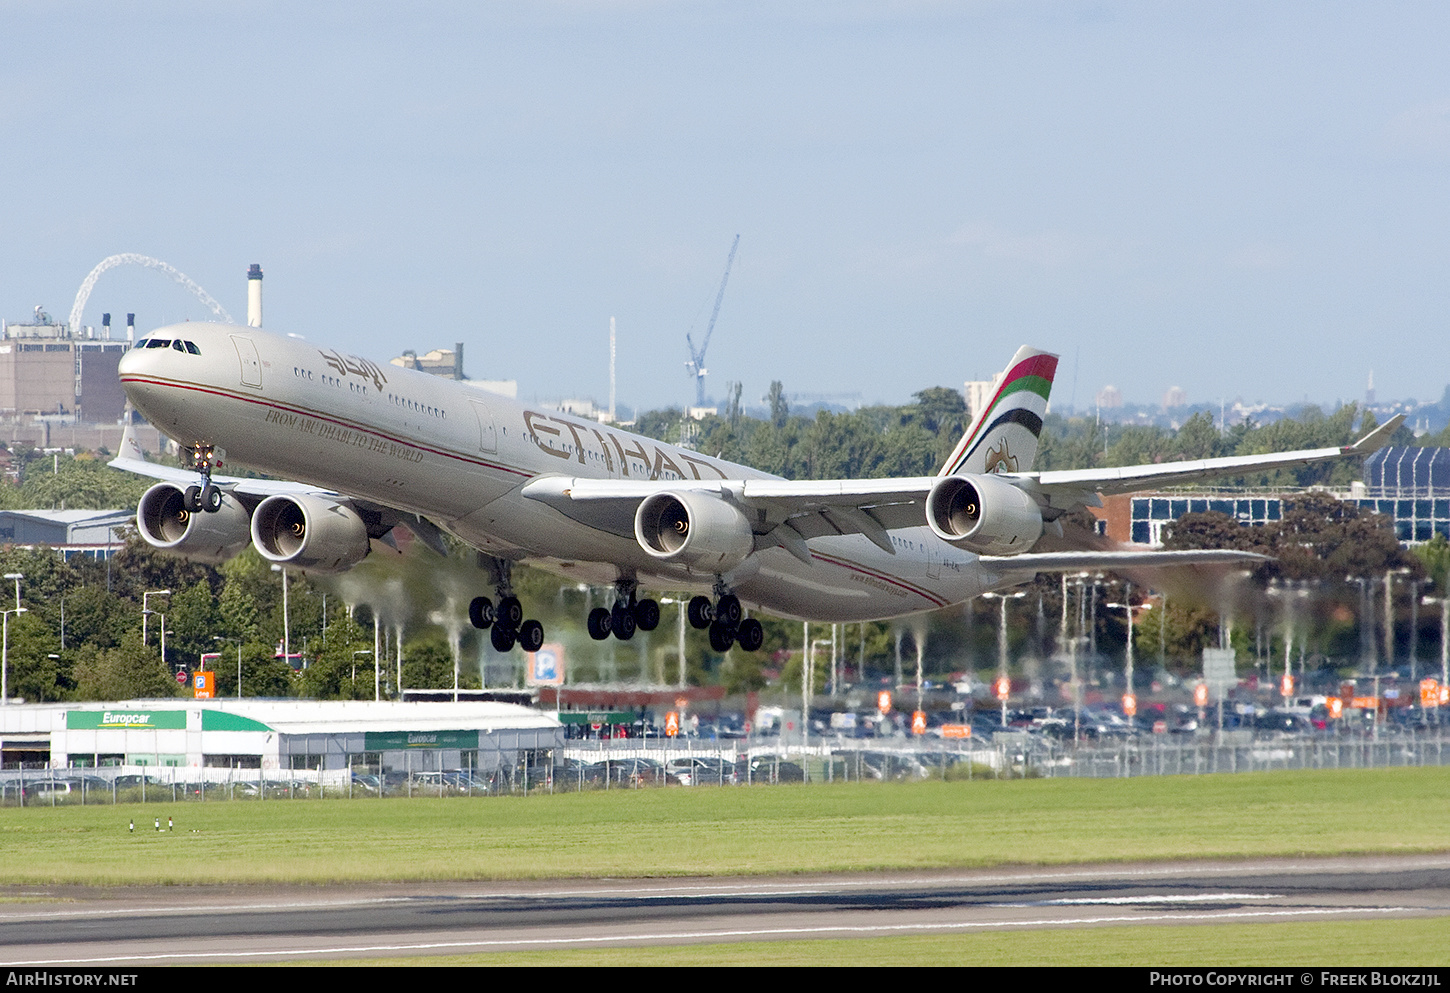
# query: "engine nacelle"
983,514
309,532
166,524
698,530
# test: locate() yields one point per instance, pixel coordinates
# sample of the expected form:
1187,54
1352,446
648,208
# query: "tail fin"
1003,436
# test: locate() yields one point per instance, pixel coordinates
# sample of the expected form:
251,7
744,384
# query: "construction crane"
696,365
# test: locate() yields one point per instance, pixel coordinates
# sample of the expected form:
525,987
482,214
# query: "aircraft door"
251,361
487,433
934,552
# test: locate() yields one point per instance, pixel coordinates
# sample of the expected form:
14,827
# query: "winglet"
130,448
1377,438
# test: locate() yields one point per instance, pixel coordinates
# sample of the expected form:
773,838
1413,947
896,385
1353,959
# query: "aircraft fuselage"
459,456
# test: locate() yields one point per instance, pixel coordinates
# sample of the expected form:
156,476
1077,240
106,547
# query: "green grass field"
733,831
1378,944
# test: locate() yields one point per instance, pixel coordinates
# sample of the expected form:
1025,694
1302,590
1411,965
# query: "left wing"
251,492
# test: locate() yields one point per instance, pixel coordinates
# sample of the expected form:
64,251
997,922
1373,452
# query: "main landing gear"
505,623
627,614
207,496
726,621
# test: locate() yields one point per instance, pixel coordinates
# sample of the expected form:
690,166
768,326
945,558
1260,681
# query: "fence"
637,764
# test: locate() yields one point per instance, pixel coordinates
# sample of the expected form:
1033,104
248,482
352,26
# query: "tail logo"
1001,460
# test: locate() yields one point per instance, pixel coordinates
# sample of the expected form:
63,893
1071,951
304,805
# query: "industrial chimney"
254,296
106,326
130,327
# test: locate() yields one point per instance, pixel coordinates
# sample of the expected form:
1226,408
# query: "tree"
779,409
127,672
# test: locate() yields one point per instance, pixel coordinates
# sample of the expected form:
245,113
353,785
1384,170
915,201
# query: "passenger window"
159,343
191,347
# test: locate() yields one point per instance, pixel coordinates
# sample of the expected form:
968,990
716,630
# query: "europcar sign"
125,720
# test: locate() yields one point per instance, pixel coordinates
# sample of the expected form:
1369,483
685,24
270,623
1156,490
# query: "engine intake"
309,532
983,514
165,524
699,530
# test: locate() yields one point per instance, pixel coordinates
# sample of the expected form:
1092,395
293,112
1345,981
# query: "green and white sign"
125,720
391,741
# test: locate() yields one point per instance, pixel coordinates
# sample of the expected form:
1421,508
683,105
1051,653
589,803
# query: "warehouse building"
212,736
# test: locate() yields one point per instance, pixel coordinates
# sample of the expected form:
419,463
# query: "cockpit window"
178,345
159,343
143,342
191,347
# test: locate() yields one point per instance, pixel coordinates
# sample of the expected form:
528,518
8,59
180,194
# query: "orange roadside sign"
883,702
1130,704
918,722
1286,685
672,724
956,730
1200,695
1336,707
1003,687
1429,692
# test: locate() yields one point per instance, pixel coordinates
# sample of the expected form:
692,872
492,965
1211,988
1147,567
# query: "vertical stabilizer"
1003,436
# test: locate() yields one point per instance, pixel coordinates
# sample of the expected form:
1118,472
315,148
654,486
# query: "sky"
1247,200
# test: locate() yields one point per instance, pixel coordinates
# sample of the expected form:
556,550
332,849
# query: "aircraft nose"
134,361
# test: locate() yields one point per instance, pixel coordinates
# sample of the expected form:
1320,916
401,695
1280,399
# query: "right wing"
787,513
1130,479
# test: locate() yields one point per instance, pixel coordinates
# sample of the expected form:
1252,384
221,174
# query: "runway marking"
513,943
1187,898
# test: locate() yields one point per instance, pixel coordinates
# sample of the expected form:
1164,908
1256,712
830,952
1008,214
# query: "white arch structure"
142,260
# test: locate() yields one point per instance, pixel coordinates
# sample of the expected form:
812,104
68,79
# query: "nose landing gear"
207,496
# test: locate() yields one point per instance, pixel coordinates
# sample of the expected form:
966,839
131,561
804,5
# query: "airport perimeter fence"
639,764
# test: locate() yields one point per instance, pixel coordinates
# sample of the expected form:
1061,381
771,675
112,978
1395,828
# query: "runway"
74,926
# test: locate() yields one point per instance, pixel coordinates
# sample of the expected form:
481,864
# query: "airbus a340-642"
370,447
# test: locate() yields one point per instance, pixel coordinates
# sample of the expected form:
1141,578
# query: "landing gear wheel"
502,638
721,637
191,499
751,635
700,613
647,615
510,613
599,623
728,611
480,612
211,498
531,636
621,622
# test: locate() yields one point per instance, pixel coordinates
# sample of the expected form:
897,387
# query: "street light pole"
145,610
1002,680
5,652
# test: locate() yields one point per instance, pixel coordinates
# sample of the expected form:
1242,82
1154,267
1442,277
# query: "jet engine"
697,530
983,514
309,532
166,524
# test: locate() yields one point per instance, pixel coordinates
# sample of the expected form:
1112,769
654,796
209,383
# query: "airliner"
357,449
